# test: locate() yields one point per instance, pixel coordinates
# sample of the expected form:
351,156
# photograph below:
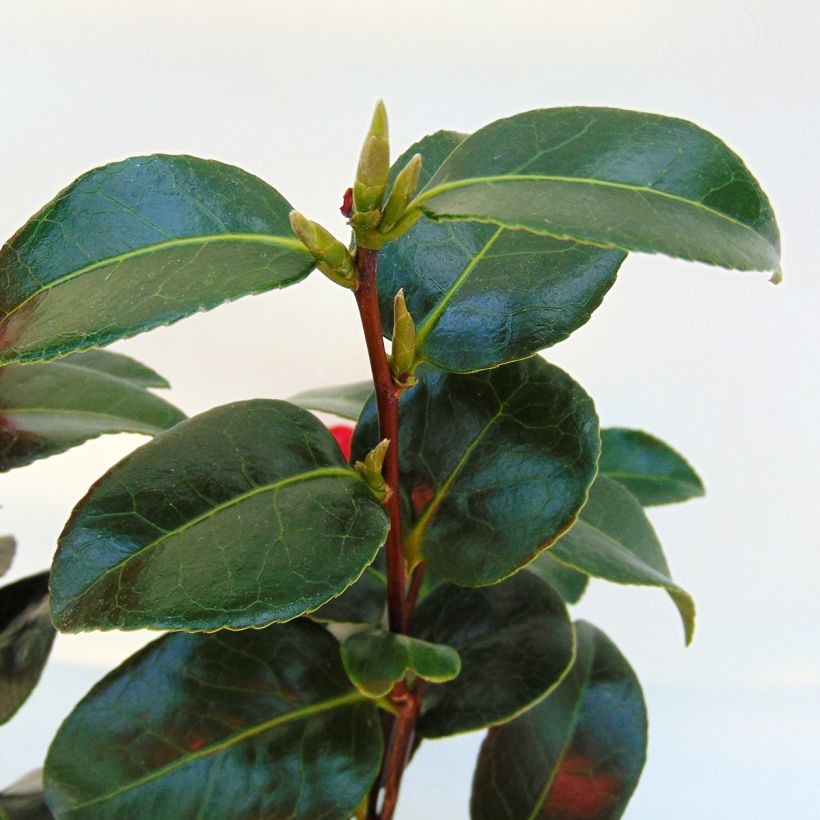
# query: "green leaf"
362,603
48,408
496,465
26,636
241,516
651,470
8,545
123,367
623,179
515,643
568,583
614,540
376,660
138,244
23,800
482,295
346,400
577,754
259,723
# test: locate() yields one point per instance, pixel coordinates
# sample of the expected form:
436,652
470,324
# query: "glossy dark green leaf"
238,517
376,660
115,364
50,407
362,603
23,800
515,643
624,179
7,548
578,754
495,464
26,636
650,469
137,244
258,723
345,400
481,294
614,540
567,582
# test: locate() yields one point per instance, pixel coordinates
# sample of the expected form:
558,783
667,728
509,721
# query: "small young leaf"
26,636
651,470
361,603
345,400
614,540
515,642
622,179
23,800
496,465
241,516
482,295
48,408
567,582
577,754
8,545
138,244
259,723
376,660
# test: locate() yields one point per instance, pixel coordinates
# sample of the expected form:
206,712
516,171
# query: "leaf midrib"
308,476
464,183
231,740
147,250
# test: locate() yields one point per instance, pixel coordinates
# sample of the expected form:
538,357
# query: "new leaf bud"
332,257
371,468
404,187
374,165
403,353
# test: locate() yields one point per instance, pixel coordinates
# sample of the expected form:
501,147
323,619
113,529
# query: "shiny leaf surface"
7,548
26,636
481,294
614,540
515,643
578,754
241,516
362,603
650,469
376,660
345,400
137,244
115,364
496,465
259,723
624,179
567,582
23,800
48,408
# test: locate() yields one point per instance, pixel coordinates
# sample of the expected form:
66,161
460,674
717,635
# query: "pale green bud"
403,353
332,257
374,165
404,187
371,468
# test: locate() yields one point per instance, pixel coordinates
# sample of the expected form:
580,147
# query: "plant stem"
387,401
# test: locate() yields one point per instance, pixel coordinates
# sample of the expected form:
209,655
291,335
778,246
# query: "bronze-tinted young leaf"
623,179
376,660
650,469
7,547
482,294
26,636
345,400
23,800
361,603
567,582
614,540
137,244
259,723
496,465
578,754
238,517
50,407
515,643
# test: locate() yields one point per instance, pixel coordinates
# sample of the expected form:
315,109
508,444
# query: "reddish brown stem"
387,400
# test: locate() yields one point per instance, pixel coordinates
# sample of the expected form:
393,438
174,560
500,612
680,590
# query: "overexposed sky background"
721,365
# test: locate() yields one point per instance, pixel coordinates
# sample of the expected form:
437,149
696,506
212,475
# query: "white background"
721,365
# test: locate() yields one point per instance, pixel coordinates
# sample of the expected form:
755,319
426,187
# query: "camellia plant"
327,613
